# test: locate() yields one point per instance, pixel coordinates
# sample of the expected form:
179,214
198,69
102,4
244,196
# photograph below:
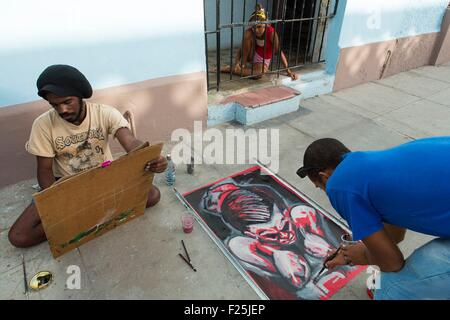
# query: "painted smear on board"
95,230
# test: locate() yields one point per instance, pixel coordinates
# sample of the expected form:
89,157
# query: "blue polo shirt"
406,186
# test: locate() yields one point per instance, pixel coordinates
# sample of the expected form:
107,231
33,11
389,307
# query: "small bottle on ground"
170,172
190,166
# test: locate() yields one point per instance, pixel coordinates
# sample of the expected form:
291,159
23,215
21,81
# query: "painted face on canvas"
254,211
278,231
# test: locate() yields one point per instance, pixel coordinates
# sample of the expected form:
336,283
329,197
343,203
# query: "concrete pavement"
139,260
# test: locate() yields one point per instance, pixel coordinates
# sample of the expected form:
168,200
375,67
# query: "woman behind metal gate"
266,41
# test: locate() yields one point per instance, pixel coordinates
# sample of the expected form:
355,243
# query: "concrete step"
312,84
255,106
270,102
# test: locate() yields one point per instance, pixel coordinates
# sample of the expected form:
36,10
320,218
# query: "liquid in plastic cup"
187,222
347,240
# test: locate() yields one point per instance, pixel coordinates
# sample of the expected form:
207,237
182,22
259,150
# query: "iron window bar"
314,20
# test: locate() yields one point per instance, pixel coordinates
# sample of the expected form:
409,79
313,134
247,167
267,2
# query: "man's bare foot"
153,197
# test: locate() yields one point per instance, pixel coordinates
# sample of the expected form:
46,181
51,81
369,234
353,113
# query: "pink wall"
442,49
360,64
374,61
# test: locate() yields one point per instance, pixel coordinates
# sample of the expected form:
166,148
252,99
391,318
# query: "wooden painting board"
84,206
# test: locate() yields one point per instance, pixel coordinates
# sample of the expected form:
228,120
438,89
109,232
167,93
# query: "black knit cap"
63,81
322,154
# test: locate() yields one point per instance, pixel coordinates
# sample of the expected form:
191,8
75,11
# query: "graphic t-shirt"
75,148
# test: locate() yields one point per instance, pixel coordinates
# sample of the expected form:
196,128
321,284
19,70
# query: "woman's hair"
259,14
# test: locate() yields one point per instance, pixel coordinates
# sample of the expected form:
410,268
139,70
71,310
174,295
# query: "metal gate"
300,25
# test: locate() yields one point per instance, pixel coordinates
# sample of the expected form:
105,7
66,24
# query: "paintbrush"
187,254
25,276
324,264
185,260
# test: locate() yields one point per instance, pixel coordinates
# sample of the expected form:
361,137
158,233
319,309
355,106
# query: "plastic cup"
347,240
187,222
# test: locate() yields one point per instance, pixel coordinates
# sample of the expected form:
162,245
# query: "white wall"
113,42
381,20
225,18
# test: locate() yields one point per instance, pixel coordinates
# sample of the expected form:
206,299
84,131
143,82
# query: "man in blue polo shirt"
383,193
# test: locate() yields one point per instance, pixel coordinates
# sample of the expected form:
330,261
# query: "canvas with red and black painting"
273,234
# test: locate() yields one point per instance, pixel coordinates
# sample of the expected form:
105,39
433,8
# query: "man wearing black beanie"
70,138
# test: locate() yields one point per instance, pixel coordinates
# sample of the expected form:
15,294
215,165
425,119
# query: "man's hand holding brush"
332,257
346,254
335,258
354,254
